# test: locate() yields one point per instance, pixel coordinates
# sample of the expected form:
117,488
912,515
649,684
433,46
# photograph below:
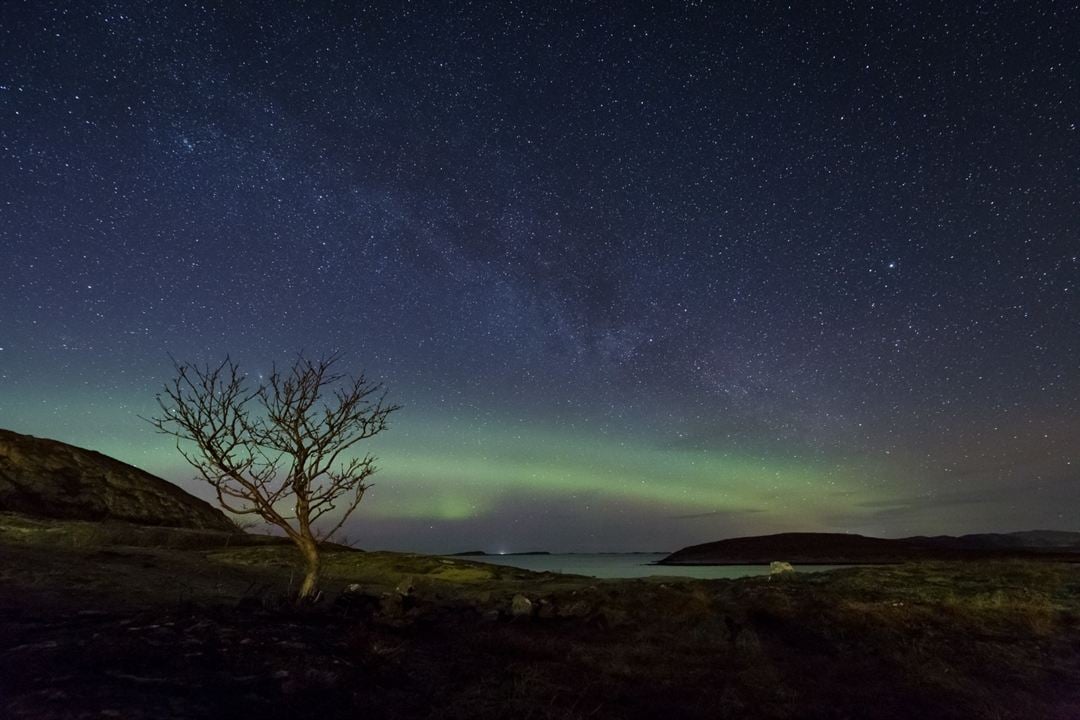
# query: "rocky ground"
97,628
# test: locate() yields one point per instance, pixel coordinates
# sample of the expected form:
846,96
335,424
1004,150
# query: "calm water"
630,566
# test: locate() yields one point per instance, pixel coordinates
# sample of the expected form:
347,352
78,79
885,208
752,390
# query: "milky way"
639,277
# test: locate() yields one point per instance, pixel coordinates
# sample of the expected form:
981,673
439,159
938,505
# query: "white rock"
776,567
521,606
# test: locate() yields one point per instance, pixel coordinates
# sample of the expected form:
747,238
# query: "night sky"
640,277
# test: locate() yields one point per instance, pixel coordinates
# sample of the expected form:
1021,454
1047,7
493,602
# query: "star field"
641,276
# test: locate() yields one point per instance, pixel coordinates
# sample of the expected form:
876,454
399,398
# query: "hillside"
47,478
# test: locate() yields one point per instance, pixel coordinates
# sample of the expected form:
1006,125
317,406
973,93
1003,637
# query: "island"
851,549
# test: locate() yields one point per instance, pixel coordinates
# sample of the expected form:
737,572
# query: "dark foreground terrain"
96,623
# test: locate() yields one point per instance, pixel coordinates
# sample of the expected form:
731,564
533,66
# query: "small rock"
574,609
406,588
357,601
612,617
546,609
391,605
779,567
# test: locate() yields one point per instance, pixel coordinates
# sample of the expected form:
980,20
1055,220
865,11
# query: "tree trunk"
310,551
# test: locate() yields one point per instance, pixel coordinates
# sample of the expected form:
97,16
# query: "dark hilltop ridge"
50,479
845,548
1059,540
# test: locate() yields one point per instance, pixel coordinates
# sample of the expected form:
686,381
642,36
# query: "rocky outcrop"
521,606
47,478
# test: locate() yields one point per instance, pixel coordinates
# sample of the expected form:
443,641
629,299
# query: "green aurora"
446,469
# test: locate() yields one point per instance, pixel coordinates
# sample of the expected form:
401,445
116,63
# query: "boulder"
406,588
392,606
779,567
356,600
545,609
521,606
574,609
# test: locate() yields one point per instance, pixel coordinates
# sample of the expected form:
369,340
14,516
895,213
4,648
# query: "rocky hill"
47,478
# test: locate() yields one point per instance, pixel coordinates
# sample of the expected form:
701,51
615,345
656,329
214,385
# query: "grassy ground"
185,628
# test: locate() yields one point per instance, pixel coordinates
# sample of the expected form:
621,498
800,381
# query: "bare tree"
278,449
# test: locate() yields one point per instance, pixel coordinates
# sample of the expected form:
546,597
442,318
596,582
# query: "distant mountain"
47,478
844,548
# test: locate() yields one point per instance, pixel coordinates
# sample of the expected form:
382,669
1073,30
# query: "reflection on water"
621,565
